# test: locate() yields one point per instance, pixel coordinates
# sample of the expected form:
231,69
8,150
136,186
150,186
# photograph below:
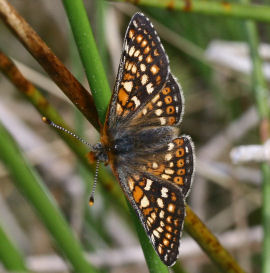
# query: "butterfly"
140,138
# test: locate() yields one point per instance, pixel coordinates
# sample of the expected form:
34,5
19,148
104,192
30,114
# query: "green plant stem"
89,55
261,96
9,254
153,262
28,182
216,8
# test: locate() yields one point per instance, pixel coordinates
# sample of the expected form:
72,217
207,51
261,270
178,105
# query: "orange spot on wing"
157,171
171,120
181,172
128,76
180,163
179,141
137,194
142,183
173,196
149,59
139,38
178,180
166,90
123,96
168,99
147,211
170,110
131,33
169,228
180,152
158,79
146,50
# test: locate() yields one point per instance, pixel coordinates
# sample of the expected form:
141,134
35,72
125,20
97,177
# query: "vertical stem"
261,97
89,54
9,255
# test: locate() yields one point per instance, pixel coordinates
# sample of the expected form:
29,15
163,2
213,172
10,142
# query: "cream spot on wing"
162,121
144,111
144,202
144,79
170,146
129,66
158,112
165,176
136,101
131,51
164,192
131,184
148,184
161,214
156,234
134,69
135,24
153,215
160,249
119,109
154,165
126,47
149,88
159,103
143,67
168,157
128,86
154,69
169,171
137,53
171,207
159,229
156,97
160,203
140,58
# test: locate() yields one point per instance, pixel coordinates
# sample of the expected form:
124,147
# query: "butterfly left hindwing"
161,209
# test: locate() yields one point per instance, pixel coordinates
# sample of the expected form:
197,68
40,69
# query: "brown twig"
51,64
209,243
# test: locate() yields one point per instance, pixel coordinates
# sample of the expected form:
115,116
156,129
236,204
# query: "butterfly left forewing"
160,207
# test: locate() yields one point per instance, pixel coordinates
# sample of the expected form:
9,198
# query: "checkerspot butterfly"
140,138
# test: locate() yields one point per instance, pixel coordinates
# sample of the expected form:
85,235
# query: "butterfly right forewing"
143,71
161,209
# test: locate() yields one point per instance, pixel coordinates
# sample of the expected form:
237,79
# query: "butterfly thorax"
132,145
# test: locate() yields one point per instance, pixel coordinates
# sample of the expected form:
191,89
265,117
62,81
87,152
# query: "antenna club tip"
46,120
91,201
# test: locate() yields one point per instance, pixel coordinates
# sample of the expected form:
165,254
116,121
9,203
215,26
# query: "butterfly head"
100,152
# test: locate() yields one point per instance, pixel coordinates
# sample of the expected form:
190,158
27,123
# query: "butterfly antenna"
91,199
51,123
